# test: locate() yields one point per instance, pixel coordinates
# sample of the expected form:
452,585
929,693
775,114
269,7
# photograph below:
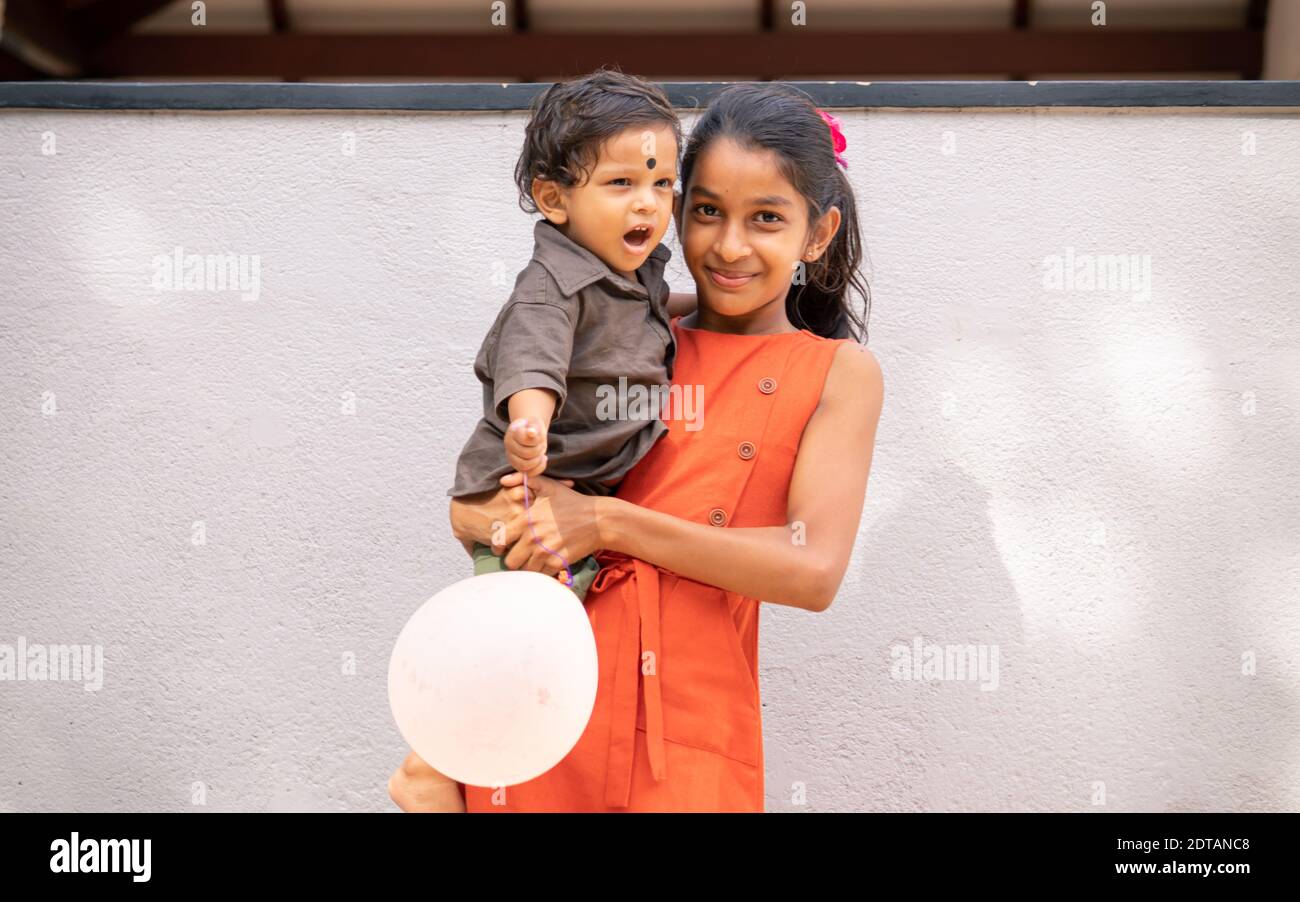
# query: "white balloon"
493,680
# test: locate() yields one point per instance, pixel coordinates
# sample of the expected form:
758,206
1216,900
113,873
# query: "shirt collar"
574,267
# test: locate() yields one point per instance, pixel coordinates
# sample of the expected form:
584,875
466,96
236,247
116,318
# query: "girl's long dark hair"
785,121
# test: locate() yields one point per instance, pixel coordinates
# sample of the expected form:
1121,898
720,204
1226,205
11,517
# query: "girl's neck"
770,319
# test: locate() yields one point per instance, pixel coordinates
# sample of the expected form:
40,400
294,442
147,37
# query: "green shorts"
584,571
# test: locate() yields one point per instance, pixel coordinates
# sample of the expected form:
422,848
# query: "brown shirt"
574,326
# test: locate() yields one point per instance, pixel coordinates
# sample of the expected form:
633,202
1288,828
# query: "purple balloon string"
528,510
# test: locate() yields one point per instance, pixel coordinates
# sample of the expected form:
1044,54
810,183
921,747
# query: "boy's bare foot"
417,787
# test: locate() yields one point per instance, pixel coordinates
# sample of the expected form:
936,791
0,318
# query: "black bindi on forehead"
650,163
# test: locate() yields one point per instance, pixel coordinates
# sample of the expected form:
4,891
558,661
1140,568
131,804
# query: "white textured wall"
1105,489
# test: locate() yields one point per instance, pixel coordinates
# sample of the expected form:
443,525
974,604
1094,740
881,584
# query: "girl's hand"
564,520
483,517
526,446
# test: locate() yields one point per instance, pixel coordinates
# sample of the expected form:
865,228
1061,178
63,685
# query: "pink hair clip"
837,137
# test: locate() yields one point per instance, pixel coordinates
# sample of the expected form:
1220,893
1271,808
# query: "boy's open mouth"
637,238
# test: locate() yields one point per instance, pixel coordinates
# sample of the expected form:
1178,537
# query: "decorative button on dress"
677,722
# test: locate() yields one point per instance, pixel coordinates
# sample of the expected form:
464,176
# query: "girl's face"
744,228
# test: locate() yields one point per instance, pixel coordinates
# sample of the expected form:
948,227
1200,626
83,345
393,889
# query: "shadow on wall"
1082,718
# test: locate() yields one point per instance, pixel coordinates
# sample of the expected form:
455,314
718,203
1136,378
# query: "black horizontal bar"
443,96
787,54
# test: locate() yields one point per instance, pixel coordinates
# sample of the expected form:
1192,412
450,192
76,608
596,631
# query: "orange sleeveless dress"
677,723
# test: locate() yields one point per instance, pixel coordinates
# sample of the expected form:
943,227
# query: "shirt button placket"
745,450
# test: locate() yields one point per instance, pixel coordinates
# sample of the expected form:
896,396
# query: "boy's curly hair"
572,120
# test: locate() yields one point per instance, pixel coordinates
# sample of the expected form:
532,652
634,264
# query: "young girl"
763,502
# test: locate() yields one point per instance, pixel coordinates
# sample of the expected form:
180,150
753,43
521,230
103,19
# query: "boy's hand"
526,447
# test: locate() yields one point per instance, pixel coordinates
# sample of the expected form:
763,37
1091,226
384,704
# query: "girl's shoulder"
854,374
812,345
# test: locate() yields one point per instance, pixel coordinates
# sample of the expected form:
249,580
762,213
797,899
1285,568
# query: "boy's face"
621,211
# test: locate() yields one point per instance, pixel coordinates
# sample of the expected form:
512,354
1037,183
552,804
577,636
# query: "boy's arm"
680,304
534,342
537,404
530,419
529,367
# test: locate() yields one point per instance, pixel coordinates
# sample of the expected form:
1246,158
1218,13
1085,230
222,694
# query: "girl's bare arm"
801,563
